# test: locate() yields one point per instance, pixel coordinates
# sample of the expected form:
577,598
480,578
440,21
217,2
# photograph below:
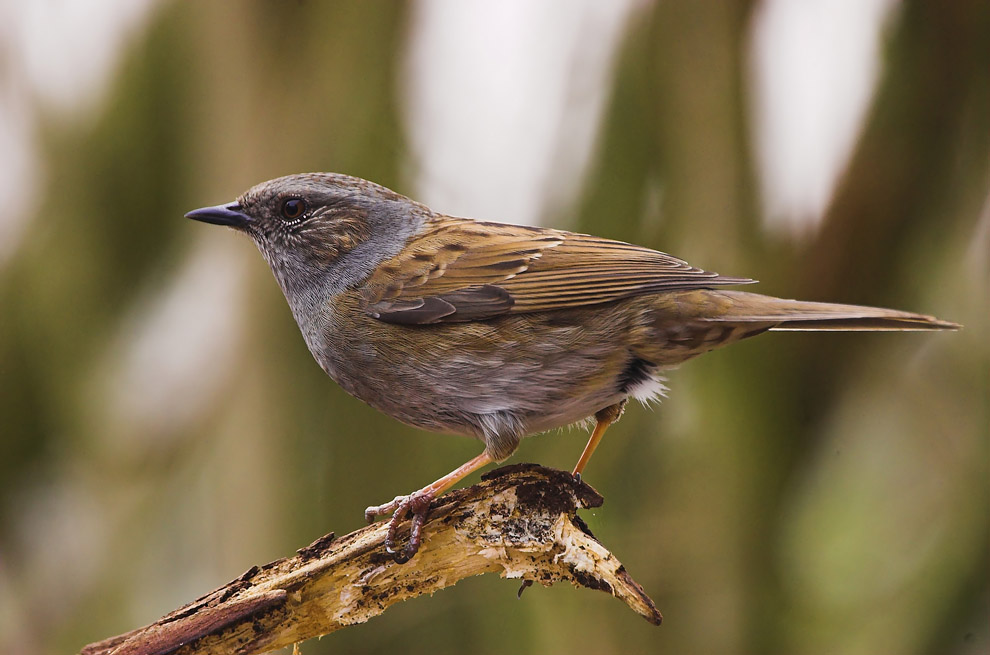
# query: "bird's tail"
798,315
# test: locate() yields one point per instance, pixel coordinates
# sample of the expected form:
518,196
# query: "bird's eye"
293,208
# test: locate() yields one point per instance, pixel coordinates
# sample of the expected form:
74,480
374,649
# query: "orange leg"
604,418
418,502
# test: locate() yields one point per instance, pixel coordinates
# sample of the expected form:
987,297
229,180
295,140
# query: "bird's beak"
229,214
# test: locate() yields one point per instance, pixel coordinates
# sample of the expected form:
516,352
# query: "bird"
493,330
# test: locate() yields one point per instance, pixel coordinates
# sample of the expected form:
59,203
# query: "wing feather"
462,270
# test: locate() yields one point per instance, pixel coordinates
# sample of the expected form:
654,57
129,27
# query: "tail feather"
798,315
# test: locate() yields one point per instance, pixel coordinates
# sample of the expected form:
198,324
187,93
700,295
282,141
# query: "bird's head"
320,227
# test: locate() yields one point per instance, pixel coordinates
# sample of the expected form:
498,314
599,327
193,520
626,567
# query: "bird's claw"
373,512
526,584
417,504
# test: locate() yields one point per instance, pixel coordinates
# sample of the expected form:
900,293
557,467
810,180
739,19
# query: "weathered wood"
520,521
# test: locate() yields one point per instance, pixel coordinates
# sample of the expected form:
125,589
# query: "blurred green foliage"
796,493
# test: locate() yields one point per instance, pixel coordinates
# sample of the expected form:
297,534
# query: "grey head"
321,233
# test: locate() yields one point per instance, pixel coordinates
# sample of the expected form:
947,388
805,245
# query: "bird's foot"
417,504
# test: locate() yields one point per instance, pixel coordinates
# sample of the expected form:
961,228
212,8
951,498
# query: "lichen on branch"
520,521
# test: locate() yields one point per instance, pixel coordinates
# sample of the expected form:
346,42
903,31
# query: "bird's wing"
463,270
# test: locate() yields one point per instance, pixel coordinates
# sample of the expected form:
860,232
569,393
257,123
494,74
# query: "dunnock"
491,330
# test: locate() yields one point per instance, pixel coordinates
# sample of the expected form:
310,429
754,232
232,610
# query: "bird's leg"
418,503
604,417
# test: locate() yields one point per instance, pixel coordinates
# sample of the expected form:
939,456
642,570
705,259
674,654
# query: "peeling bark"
520,521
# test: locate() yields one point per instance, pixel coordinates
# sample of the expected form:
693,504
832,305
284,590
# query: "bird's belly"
533,373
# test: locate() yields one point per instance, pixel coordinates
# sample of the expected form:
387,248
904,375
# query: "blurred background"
163,427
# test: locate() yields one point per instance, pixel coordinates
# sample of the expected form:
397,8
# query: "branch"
521,521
